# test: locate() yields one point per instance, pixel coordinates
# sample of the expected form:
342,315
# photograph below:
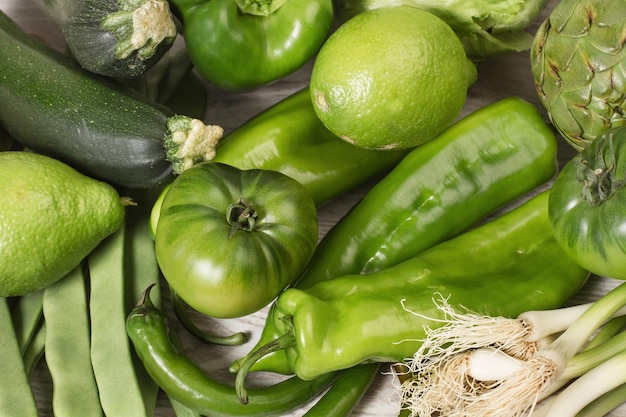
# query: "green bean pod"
16,395
504,267
158,348
66,313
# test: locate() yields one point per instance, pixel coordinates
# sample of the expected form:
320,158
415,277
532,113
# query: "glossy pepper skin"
484,161
160,351
479,164
289,138
243,44
503,267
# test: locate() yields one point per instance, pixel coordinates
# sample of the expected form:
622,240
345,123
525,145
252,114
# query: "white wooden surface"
498,78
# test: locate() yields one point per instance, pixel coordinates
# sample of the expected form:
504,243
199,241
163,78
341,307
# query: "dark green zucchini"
51,105
116,38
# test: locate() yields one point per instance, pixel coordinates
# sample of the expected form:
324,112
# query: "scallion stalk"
441,383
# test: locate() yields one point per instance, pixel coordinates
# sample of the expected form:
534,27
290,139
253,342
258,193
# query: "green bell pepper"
484,161
243,44
503,267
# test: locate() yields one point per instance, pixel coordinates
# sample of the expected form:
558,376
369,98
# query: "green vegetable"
181,310
66,312
35,350
345,393
579,68
486,28
173,83
474,348
52,106
120,267
504,267
515,388
289,138
159,349
52,217
242,44
587,206
229,240
16,395
27,315
115,38
482,162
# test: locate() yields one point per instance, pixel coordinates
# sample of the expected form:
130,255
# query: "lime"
391,78
51,217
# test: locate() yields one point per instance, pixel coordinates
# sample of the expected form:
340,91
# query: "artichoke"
579,68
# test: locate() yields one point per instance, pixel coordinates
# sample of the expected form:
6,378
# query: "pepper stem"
282,342
596,170
140,26
190,141
259,7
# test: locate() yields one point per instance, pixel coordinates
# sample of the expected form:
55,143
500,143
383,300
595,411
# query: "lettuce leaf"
485,27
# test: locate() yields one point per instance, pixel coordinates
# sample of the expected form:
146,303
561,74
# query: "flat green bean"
140,270
182,410
74,389
16,394
27,313
118,267
35,349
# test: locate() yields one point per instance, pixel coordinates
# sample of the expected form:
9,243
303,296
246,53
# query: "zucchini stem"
140,27
190,141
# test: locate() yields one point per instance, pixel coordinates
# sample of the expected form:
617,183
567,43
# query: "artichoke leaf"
579,67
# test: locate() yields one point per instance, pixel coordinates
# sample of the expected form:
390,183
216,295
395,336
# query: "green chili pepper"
503,267
159,349
243,44
486,160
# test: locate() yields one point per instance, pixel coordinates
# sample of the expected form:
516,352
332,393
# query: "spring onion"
442,369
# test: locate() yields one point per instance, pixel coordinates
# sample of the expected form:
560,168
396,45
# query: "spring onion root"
493,366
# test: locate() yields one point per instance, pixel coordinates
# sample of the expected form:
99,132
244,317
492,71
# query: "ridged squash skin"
115,38
52,106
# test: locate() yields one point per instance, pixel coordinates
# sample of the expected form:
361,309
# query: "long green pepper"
486,160
504,267
289,138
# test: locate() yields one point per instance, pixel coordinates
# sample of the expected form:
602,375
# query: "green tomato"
229,240
240,45
587,206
